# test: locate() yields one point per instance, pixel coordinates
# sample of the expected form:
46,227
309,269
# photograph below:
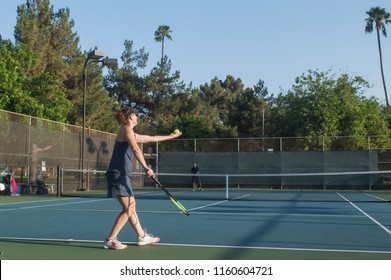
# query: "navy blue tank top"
122,158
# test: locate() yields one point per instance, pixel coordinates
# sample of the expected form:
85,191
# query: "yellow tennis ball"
176,131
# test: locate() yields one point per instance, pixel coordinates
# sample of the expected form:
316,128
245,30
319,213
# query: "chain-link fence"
32,148
280,144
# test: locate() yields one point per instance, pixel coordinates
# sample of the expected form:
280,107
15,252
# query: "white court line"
216,203
50,205
208,205
6,239
274,248
367,215
239,197
9,209
374,196
147,194
22,203
36,201
247,214
60,204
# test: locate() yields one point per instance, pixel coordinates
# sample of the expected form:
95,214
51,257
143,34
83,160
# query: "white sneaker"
147,239
113,244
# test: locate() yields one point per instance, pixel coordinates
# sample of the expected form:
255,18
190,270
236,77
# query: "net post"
226,186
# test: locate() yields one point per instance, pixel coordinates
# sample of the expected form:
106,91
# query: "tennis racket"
173,199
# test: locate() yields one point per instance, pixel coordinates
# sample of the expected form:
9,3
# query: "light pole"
93,56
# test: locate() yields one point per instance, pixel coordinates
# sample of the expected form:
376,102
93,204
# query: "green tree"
161,34
320,104
221,94
152,94
125,84
55,79
378,17
223,98
38,96
46,99
193,126
11,74
48,34
190,114
248,113
161,87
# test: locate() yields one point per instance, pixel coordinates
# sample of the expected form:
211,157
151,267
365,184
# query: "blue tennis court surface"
292,220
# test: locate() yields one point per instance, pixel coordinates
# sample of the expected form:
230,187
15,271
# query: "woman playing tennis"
119,174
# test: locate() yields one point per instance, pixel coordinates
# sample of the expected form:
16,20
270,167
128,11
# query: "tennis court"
251,224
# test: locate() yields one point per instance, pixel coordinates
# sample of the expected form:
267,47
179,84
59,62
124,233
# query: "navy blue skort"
118,185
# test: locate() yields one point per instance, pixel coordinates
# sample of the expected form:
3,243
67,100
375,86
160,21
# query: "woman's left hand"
176,135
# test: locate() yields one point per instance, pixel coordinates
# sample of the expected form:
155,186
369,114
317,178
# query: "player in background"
196,179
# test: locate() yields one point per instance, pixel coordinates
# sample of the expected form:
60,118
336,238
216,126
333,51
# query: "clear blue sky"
272,40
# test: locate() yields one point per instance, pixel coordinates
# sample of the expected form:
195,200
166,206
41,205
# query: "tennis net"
225,185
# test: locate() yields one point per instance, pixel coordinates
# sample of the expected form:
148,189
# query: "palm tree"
380,18
162,32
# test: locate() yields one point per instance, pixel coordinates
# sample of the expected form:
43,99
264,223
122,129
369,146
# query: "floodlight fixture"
95,54
110,61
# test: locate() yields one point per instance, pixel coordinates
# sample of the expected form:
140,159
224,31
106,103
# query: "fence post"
58,181
226,186
195,145
157,158
29,150
280,144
